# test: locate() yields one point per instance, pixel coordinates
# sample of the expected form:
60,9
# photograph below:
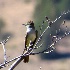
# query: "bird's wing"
36,34
35,38
26,41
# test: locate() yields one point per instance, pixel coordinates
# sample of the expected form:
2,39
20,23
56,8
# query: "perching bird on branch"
30,39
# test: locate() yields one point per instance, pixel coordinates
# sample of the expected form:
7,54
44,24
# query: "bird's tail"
26,59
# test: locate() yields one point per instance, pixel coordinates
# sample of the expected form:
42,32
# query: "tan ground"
15,13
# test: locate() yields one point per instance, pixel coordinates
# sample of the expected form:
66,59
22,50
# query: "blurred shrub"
1,23
51,9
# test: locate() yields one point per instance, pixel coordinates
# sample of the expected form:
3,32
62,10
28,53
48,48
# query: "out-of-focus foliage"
1,24
2,34
51,9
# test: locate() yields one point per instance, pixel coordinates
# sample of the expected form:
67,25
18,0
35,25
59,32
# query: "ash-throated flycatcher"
30,39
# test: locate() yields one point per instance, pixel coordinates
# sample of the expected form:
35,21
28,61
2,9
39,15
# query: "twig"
21,58
48,27
39,46
51,46
5,58
15,63
3,45
41,27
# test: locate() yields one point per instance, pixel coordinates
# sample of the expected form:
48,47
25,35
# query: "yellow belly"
30,38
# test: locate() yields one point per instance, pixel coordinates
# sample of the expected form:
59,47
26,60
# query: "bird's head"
29,24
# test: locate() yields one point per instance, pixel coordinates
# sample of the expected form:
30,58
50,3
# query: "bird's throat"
29,30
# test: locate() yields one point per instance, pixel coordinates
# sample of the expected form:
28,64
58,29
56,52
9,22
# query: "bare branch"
4,49
15,63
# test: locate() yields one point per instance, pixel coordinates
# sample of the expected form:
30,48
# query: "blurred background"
13,13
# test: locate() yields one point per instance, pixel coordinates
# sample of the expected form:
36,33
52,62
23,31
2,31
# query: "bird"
30,39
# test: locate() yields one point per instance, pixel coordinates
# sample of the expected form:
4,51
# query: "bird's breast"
32,35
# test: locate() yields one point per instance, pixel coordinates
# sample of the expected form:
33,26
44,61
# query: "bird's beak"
24,24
